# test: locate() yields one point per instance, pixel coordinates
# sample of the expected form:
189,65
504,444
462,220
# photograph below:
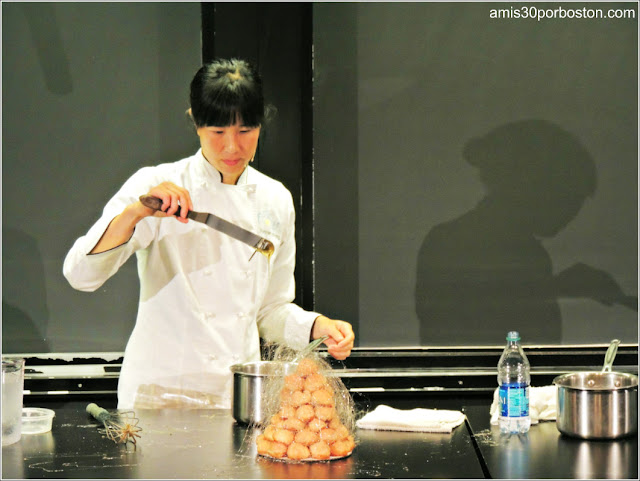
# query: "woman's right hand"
121,227
173,197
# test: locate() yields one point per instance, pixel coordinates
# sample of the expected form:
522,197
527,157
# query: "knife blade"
260,244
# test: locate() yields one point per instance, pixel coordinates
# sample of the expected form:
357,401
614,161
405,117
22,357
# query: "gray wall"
90,93
409,246
492,167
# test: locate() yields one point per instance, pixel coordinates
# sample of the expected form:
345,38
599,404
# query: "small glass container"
37,420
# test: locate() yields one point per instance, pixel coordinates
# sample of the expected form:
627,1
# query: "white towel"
386,418
542,404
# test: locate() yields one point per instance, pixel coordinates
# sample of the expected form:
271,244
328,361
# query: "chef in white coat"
204,300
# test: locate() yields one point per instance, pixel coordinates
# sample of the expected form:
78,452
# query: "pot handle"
610,355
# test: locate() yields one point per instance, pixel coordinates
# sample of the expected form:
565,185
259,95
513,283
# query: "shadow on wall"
45,34
25,314
488,267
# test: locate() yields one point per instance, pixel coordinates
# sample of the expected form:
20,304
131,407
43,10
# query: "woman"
203,303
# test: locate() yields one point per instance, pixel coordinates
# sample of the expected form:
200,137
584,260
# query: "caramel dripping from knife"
264,246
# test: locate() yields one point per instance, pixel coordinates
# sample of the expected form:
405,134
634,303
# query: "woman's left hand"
341,337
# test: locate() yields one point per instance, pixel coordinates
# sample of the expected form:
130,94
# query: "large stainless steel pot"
251,404
598,405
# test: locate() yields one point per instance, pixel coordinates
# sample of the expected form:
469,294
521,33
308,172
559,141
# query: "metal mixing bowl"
250,405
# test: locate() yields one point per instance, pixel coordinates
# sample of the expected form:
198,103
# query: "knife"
260,244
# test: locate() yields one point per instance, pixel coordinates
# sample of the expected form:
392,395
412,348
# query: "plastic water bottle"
514,378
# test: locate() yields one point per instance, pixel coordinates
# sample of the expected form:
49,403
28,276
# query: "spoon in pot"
610,355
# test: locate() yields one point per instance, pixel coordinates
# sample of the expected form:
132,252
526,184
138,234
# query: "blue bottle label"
514,400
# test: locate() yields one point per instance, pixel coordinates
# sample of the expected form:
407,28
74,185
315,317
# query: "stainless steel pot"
251,404
598,405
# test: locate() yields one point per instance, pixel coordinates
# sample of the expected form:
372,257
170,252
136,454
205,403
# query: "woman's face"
229,149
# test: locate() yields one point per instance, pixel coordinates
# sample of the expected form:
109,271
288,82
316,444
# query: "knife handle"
155,203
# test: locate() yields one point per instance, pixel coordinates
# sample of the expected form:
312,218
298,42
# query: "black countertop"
208,444
545,453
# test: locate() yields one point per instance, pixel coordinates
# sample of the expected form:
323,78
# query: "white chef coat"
203,305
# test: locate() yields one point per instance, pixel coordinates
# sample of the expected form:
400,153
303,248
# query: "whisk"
120,427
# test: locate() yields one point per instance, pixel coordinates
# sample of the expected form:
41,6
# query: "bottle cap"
513,336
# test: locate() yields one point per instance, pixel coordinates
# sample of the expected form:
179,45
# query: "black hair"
226,91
